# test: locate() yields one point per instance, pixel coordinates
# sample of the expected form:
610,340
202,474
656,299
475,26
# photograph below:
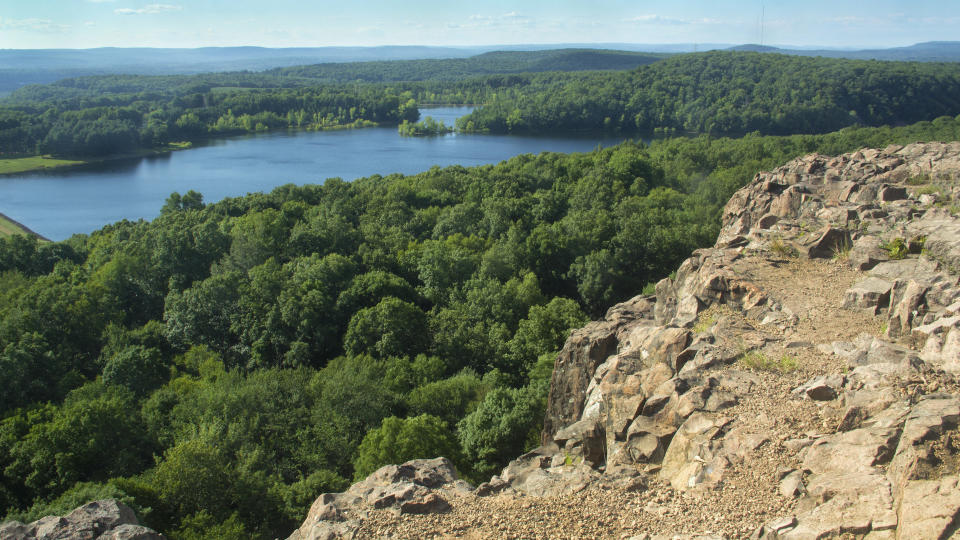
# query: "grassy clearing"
36,163
33,163
8,227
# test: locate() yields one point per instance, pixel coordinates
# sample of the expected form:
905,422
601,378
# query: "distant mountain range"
931,51
20,67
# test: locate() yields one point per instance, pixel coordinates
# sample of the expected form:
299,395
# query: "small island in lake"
424,128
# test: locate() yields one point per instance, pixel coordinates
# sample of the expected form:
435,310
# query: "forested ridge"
727,92
219,367
716,92
499,62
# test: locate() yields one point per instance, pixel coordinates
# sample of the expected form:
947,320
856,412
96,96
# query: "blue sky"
27,24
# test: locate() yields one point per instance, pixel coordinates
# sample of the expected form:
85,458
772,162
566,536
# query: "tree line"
122,123
724,92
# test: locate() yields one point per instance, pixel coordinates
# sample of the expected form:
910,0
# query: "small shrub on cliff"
704,322
841,251
897,248
781,248
757,360
918,180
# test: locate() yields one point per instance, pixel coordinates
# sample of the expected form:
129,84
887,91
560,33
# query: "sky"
37,24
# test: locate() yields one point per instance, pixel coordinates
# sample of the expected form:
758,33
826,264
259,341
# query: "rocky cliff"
796,380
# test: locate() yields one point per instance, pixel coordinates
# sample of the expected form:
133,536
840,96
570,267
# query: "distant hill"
931,51
168,61
441,70
22,67
491,63
41,66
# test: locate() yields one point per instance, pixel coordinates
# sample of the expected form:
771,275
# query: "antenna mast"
763,10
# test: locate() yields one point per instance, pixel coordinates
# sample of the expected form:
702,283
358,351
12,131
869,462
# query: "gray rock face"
867,253
688,461
822,388
871,295
415,487
586,349
830,241
106,519
655,409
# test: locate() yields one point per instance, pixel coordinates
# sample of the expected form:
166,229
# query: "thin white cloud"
660,19
511,19
33,25
101,1
149,9
856,20
892,19
657,19
934,20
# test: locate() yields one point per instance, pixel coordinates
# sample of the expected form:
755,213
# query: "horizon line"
512,45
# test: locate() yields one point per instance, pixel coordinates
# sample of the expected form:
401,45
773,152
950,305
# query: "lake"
58,204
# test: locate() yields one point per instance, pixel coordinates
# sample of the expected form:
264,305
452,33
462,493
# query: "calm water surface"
57,204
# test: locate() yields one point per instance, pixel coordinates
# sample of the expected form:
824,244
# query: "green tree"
544,330
448,399
71,445
401,439
506,424
137,368
391,328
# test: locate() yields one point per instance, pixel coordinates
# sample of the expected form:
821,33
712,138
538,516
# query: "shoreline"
57,163
26,230
171,147
68,164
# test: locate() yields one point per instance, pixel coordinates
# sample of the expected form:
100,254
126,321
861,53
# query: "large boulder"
418,486
106,519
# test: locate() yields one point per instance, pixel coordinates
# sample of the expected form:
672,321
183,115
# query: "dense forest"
717,93
219,367
117,122
727,93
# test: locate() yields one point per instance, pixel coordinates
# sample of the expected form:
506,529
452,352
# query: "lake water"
57,204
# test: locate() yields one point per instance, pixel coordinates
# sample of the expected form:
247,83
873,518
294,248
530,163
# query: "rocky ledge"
101,520
797,380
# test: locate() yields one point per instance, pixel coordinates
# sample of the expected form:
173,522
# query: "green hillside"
727,92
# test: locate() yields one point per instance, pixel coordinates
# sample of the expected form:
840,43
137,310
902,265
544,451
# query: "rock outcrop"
416,487
797,380
101,520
